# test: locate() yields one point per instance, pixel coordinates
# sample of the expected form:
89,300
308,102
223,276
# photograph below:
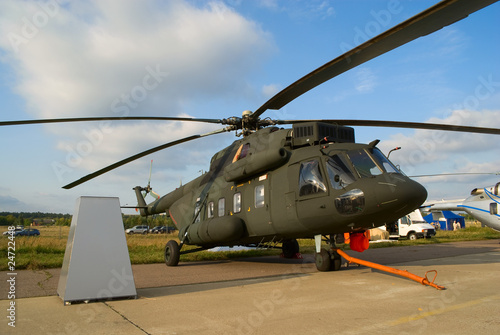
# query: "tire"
172,253
290,248
323,260
336,261
412,236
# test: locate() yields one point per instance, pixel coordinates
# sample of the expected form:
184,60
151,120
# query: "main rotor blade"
142,154
110,118
430,20
401,124
455,174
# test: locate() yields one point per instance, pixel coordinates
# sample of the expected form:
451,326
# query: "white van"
411,226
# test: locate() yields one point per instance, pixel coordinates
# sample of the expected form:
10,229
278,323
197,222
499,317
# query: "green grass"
47,250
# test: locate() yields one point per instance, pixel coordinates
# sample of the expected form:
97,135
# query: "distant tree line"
36,215
54,219
28,218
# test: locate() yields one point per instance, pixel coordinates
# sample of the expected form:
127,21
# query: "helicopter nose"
401,194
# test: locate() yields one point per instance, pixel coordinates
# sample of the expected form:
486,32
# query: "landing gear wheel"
336,261
290,248
172,253
323,260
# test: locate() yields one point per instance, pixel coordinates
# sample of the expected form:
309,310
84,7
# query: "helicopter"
275,185
482,204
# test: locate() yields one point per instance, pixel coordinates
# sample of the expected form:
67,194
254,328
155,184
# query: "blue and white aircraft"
483,204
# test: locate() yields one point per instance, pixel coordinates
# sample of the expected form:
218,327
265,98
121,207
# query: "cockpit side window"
365,166
310,179
338,172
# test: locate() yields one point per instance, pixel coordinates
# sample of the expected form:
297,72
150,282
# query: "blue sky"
214,60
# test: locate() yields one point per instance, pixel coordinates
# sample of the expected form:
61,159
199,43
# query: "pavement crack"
48,275
126,319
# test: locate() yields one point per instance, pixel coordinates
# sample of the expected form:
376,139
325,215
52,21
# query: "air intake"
310,133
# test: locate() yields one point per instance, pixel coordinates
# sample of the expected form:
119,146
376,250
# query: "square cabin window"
259,196
222,206
237,203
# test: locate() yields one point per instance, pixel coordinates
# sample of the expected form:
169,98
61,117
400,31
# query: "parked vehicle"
170,229
137,230
158,230
411,226
29,232
162,230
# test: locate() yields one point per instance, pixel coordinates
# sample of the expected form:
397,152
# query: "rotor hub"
246,114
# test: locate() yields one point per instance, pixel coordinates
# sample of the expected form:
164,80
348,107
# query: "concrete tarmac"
269,295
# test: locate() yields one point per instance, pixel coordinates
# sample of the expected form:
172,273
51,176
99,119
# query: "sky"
215,59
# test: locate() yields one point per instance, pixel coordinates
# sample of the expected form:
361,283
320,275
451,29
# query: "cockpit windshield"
365,166
383,161
371,162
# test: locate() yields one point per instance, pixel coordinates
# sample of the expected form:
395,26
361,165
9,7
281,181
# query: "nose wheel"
327,260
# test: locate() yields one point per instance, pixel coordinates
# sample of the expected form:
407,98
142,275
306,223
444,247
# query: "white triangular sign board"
96,263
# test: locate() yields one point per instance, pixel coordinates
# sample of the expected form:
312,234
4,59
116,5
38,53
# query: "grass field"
47,250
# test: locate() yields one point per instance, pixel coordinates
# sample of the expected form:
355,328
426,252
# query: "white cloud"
270,4
112,58
365,80
103,146
7,201
454,151
308,10
87,55
427,152
270,90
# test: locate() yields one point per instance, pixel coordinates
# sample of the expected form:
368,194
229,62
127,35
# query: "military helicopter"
275,185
